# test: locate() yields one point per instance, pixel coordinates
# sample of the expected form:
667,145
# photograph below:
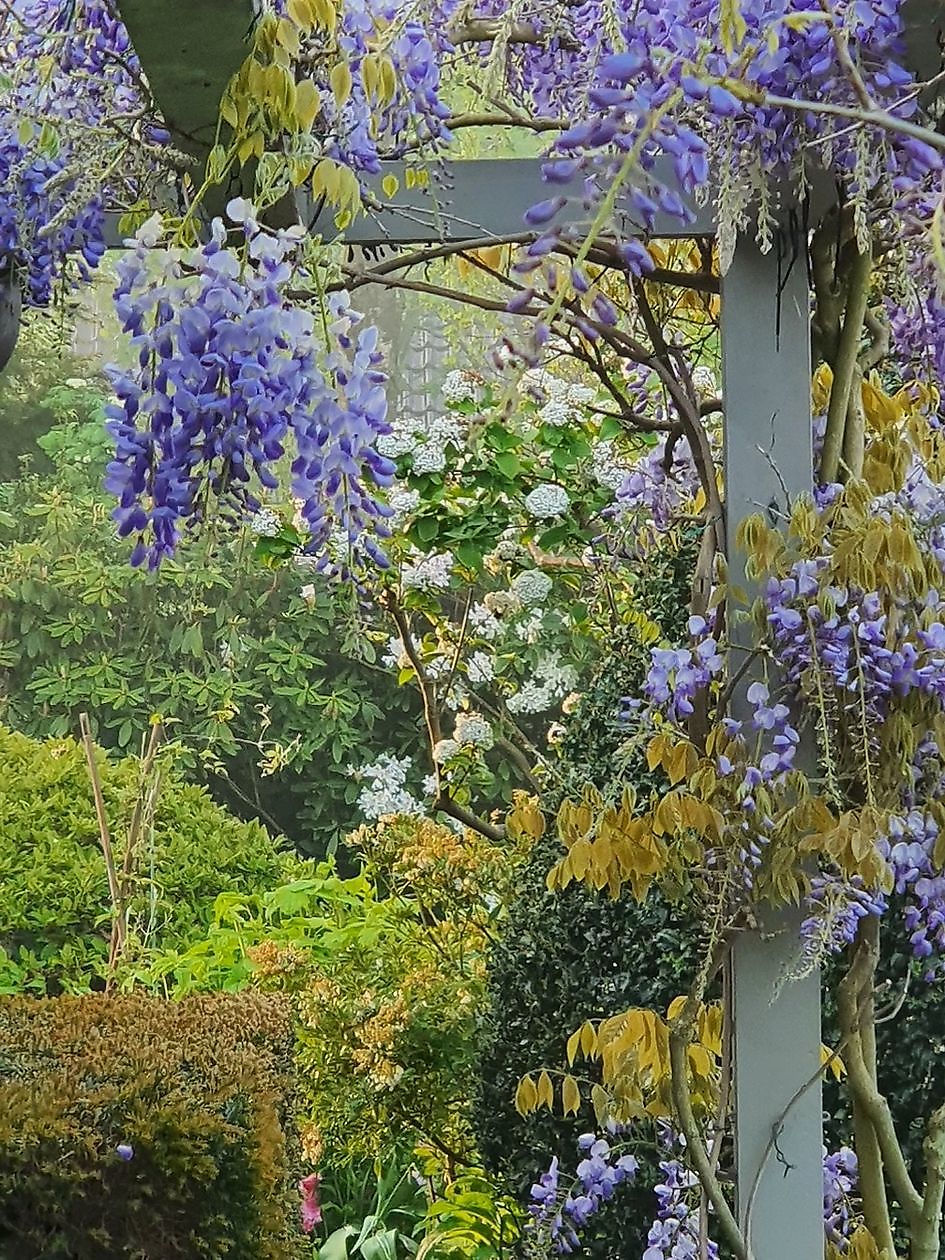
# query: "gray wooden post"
777,1033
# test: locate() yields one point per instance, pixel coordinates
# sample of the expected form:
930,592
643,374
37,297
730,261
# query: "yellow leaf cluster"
851,843
525,819
607,847
632,1049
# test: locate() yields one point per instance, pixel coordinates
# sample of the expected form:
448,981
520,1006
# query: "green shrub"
54,912
197,1094
271,696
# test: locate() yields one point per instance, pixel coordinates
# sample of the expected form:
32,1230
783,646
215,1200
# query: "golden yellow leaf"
526,1096
306,104
570,1096
340,79
546,1091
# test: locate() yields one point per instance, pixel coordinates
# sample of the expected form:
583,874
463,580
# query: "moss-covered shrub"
133,1128
54,924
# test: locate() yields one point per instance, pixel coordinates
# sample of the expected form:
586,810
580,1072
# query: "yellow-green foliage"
388,1016
200,1089
54,924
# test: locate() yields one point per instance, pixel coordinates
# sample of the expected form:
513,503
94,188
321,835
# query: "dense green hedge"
140,1129
54,925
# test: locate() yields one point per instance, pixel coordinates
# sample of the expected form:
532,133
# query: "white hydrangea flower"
610,471
402,501
531,697
429,458
266,523
460,386
430,572
396,656
384,790
531,586
539,381
556,674
557,413
430,787
400,441
547,501
480,668
445,750
472,728
580,395
705,381
484,622
532,628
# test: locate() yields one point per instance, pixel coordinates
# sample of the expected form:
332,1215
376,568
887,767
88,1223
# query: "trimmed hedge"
54,912
199,1090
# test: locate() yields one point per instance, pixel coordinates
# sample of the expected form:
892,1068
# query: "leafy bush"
54,913
138,1129
272,696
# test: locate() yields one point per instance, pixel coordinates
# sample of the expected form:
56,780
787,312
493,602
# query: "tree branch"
845,367
868,1101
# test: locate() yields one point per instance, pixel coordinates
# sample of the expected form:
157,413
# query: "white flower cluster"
609,469
479,668
424,439
484,622
705,381
531,629
460,387
385,790
547,501
472,728
266,523
552,680
562,400
429,573
396,657
402,501
531,586
445,750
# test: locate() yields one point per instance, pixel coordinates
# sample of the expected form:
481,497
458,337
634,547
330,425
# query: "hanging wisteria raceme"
52,209
559,1212
229,369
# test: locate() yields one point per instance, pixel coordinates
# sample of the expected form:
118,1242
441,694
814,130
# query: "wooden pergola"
189,49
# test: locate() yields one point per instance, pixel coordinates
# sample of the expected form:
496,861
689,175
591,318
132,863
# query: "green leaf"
336,1247
427,528
508,463
380,1246
610,427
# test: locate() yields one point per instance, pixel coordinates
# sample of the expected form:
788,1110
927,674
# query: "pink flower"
311,1208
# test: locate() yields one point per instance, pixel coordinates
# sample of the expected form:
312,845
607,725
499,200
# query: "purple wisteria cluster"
675,1232
677,675
840,1188
559,1212
52,213
369,124
666,93
228,369
837,905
